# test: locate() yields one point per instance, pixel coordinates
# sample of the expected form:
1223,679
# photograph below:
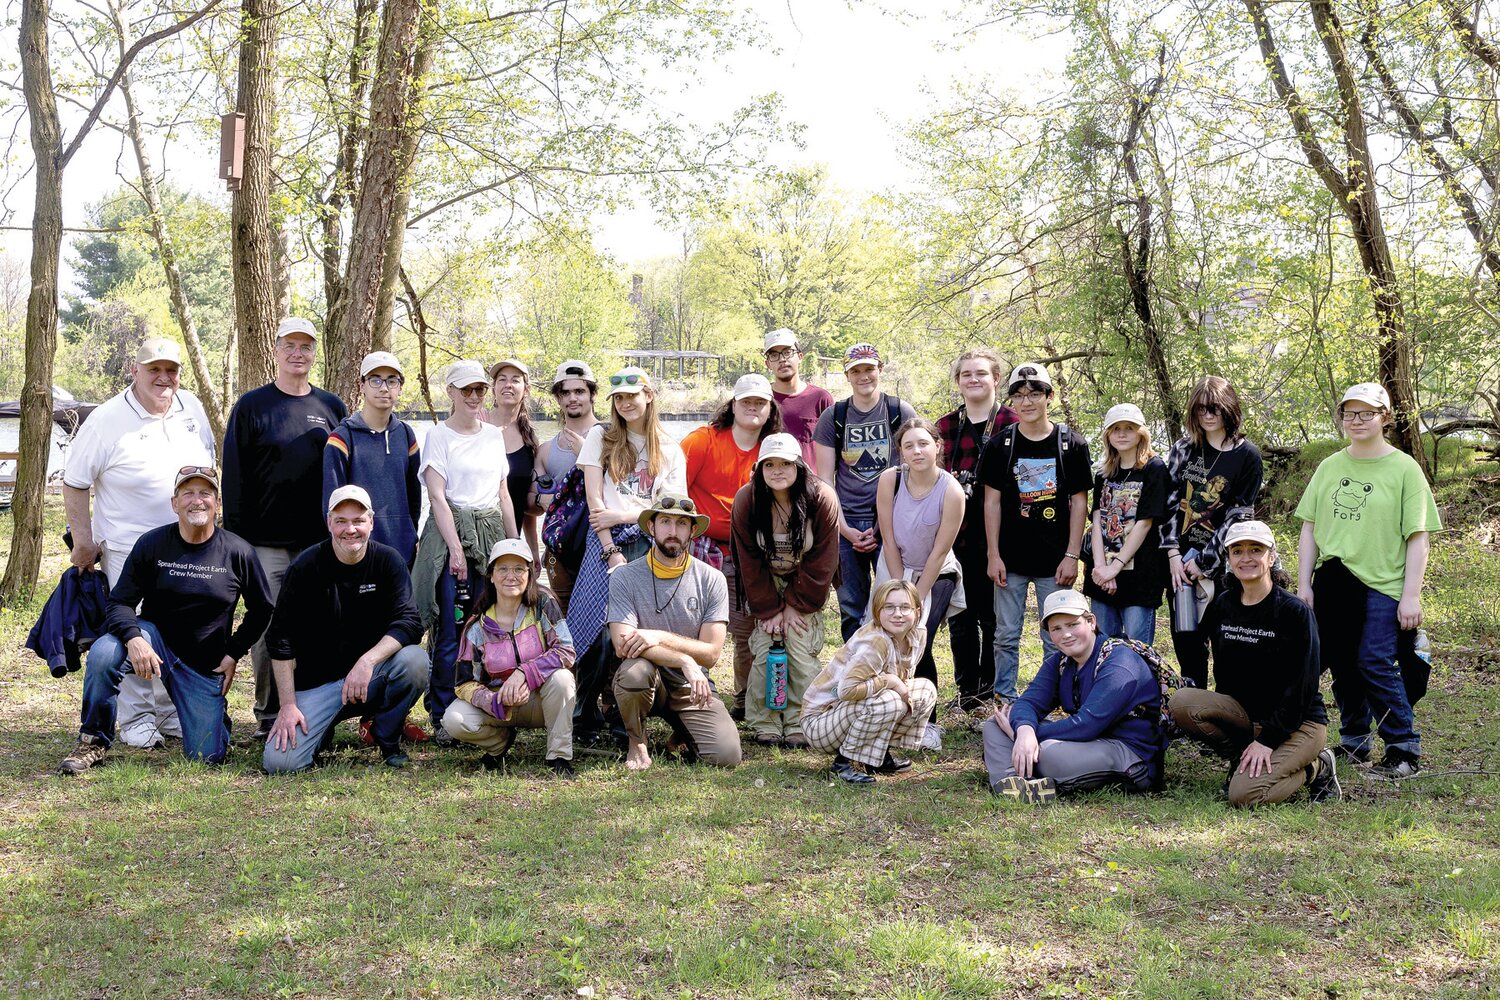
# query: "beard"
670,547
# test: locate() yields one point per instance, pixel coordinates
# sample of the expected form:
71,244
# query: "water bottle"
1422,647
776,676
460,601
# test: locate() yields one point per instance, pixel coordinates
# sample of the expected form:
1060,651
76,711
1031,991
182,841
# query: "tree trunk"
254,241
208,394
384,172
41,307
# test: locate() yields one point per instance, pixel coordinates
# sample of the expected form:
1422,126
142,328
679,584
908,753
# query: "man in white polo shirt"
128,453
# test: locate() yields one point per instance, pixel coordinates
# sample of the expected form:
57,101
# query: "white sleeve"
592,452
435,452
674,477
85,456
194,406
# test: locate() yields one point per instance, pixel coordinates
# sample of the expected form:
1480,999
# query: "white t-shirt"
130,458
640,488
473,466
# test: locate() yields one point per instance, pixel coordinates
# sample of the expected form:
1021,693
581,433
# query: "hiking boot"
562,767
85,755
1033,791
1324,786
492,761
893,765
846,770
1395,766
737,713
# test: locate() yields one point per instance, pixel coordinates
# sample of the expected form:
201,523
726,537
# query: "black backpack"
1008,442
841,419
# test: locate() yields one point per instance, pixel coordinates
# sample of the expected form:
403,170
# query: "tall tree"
256,241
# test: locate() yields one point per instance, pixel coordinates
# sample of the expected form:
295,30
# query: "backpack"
1008,442
566,523
841,418
1167,680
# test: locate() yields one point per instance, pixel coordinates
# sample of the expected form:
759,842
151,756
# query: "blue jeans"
1133,621
1368,687
1010,616
856,569
200,706
443,641
394,686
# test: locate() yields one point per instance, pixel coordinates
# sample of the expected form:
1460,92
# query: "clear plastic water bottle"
1423,647
776,673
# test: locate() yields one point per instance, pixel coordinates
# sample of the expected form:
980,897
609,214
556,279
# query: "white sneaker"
141,733
932,737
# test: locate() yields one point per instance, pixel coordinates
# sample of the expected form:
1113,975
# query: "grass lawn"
151,877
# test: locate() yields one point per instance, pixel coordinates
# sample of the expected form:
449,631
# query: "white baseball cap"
752,386
782,446
380,359
1126,412
631,379
1368,392
464,373
1064,602
509,547
1249,531
781,338
574,368
296,324
349,492
158,349
494,369
1031,371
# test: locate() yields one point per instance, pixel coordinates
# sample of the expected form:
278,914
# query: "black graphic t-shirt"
1121,500
1033,498
1213,483
1266,657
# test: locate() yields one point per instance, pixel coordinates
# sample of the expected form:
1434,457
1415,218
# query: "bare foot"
637,758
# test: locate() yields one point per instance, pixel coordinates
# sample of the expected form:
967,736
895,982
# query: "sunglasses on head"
626,379
673,503
198,470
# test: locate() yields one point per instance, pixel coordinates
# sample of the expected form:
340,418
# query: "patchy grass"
152,877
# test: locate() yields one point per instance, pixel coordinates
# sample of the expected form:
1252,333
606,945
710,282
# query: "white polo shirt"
130,459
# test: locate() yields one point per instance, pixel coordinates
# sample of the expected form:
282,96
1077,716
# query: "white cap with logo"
782,446
1064,602
296,324
510,547
1249,531
1124,412
379,359
464,373
781,338
752,386
158,349
349,492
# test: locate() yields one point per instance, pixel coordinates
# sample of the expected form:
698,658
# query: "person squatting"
587,583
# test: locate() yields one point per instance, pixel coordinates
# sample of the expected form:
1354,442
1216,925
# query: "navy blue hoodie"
385,463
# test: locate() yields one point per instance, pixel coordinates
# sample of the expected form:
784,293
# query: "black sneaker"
492,761
263,730
85,755
846,770
1324,786
893,765
562,767
737,713
1395,766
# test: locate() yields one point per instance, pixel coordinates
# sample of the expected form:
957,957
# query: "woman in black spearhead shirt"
1266,714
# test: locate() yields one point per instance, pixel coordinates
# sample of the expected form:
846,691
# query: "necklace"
655,595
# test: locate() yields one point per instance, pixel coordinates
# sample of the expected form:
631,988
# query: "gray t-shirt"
700,595
862,456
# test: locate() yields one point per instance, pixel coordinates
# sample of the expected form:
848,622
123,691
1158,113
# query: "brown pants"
1220,721
642,688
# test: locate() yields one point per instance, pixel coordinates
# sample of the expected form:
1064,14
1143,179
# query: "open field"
151,877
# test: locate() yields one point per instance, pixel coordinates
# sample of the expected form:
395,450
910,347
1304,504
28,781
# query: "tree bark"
181,307
255,243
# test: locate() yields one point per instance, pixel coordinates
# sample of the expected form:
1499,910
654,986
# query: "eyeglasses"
784,354
1209,409
472,390
291,348
631,379
1027,397
1358,416
900,609
384,381
676,503
511,572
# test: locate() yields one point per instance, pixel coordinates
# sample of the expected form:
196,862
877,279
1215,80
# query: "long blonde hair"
619,455
1143,451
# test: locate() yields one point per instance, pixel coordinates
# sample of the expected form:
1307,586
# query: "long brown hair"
531,597
618,454
1215,389
523,409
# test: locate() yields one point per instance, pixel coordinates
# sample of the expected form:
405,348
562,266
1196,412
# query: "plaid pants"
863,731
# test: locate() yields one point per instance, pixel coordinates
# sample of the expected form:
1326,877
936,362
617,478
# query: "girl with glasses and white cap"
1366,517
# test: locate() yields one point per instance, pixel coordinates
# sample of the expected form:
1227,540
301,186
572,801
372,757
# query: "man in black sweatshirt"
273,474
186,578
344,640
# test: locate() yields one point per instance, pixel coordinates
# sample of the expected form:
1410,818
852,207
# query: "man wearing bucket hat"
667,616
801,403
273,474
125,454
1265,714
1110,732
344,640
378,450
720,457
186,579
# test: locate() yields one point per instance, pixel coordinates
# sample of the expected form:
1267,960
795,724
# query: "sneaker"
796,741
443,738
85,755
846,770
141,734
1324,786
1033,791
491,761
932,737
1352,753
397,759
893,765
411,732
562,767
1395,766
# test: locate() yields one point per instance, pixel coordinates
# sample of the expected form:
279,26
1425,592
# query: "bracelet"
613,550
1070,555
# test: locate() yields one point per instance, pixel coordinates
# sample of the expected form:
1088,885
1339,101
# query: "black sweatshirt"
1266,658
188,591
328,614
273,465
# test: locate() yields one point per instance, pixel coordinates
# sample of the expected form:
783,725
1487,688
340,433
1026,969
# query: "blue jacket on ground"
73,615
1098,707
385,463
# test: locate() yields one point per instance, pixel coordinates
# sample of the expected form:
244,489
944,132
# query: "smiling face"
510,387
1250,561
864,379
468,398
349,525
779,474
1363,422
976,380
573,397
156,382
1071,633
631,406
783,363
1030,402
196,503
671,533
294,355
898,615
510,575
751,412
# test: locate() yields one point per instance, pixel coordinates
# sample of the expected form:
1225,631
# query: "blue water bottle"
776,676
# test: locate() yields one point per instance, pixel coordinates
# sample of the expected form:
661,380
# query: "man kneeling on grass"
1266,714
344,640
667,617
186,577
1111,732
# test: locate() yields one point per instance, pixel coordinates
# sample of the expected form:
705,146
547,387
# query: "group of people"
655,554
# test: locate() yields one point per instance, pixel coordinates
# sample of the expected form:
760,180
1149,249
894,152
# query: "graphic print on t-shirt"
639,483
867,445
1036,480
1349,498
1200,500
1117,510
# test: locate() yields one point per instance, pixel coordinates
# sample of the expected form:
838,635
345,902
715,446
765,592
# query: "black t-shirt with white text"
1033,502
1266,657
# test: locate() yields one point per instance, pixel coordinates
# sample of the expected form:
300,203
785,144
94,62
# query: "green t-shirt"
1364,509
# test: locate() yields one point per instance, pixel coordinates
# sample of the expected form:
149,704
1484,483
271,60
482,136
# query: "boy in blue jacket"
1111,732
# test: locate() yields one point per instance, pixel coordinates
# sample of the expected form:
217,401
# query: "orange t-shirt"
716,469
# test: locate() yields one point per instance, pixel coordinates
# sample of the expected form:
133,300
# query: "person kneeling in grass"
515,665
1111,732
1266,715
867,697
